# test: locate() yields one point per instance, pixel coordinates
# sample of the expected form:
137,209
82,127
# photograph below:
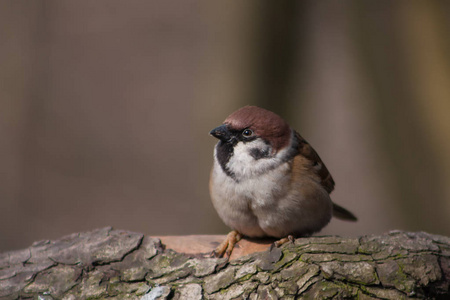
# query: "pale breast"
240,204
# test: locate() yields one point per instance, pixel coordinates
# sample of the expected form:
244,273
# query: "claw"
282,241
227,246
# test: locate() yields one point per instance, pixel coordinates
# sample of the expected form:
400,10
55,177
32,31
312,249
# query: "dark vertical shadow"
276,50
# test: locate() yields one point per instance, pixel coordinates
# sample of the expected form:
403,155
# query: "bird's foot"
227,245
282,241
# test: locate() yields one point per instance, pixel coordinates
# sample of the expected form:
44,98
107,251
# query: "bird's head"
249,137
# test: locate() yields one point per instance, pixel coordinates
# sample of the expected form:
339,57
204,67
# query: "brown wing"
309,153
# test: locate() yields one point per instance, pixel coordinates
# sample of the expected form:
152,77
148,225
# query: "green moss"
245,278
126,288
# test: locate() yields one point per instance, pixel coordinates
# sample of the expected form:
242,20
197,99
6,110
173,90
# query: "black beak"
222,133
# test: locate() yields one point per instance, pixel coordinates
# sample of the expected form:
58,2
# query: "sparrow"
267,180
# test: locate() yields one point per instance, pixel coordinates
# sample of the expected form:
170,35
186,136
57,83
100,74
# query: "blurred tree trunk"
403,52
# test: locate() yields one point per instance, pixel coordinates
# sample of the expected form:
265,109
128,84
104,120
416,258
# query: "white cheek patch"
244,165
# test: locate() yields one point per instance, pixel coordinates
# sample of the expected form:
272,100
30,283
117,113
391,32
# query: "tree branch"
113,263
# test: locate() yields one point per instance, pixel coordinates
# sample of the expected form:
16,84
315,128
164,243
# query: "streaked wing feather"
309,153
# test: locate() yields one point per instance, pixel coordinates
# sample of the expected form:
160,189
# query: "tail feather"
343,214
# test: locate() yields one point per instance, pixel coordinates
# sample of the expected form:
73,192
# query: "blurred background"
105,108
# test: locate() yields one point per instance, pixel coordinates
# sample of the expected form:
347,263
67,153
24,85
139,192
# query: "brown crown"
264,123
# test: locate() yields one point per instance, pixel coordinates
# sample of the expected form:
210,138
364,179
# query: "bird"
267,181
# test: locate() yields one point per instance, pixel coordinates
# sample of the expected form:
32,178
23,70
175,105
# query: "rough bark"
108,263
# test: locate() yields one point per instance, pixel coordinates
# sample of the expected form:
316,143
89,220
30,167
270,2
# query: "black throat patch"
224,151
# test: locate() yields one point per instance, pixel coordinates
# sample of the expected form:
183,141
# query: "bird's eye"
247,132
